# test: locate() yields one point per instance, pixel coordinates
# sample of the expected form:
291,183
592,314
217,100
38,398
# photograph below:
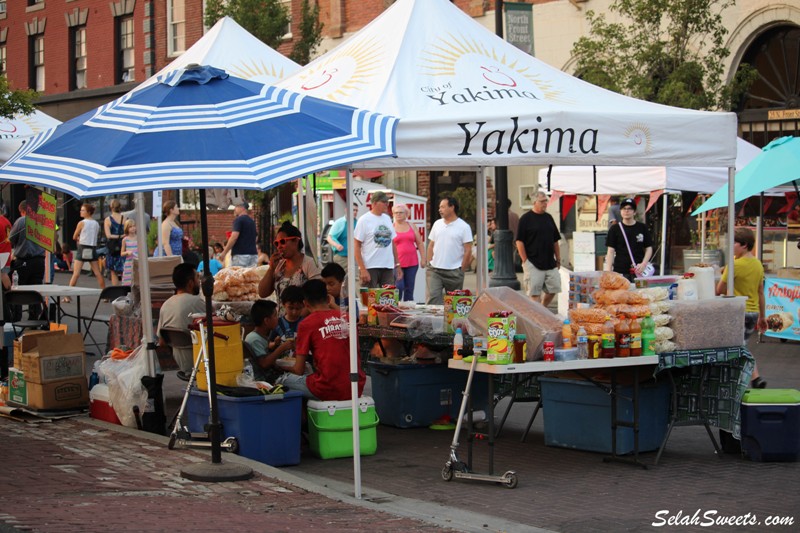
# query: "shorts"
750,323
534,281
86,253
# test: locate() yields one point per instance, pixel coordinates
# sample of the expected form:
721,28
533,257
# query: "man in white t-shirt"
449,252
373,245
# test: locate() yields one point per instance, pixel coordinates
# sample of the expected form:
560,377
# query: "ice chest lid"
364,403
99,393
771,396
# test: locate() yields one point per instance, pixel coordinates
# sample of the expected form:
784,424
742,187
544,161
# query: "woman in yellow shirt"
748,280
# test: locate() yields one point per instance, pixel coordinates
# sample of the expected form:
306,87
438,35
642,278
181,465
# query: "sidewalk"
83,475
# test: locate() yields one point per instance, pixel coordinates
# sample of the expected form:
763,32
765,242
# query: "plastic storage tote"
771,424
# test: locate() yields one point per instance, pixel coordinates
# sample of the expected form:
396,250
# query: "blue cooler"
771,424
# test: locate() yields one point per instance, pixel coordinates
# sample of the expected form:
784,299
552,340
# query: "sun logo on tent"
343,73
451,54
257,71
639,133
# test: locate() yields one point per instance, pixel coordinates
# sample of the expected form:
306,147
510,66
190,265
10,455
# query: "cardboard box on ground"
49,371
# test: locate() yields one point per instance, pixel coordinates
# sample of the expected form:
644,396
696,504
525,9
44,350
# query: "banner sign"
782,298
40,219
519,26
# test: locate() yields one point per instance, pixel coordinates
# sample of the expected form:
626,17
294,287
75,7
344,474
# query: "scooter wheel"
172,439
447,473
510,481
234,445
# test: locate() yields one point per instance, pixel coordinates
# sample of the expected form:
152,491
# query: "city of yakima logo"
341,74
256,70
639,134
20,126
473,72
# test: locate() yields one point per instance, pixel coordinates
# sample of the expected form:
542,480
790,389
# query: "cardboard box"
160,269
27,342
380,297
55,358
65,394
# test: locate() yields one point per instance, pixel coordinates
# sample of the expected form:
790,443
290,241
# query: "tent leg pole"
355,359
731,225
664,216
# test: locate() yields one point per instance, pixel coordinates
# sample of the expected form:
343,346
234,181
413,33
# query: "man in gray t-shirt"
176,311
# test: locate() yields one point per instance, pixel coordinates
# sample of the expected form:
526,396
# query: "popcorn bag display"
386,295
457,304
502,326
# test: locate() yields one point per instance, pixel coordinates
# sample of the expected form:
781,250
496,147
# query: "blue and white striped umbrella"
200,128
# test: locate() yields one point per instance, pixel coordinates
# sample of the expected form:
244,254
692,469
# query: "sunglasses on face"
282,242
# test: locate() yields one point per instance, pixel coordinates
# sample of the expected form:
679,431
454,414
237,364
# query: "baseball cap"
627,202
379,196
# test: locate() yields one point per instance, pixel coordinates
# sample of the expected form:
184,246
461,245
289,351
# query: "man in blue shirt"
242,242
337,238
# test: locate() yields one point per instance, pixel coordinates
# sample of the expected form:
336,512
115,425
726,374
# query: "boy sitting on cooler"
322,334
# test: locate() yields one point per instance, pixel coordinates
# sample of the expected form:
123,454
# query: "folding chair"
177,338
108,294
15,301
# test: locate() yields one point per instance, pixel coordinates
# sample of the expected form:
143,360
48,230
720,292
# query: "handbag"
87,253
114,246
649,269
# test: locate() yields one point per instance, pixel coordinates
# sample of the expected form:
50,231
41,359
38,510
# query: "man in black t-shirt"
537,244
242,242
641,244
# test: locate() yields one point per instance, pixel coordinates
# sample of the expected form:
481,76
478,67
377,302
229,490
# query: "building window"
125,50
176,27
36,81
287,4
78,57
3,60
34,2
2,6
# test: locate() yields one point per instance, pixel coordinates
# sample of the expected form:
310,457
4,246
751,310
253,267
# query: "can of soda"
549,351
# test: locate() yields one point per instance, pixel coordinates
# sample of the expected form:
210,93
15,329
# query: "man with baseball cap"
242,242
373,244
631,258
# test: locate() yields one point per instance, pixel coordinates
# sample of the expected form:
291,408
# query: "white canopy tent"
466,98
14,131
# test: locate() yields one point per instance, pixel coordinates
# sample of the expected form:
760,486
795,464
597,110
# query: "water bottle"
14,279
94,378
248,369
583,343
458,344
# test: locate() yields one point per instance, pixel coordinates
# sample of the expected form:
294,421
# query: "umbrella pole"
355,360
217,470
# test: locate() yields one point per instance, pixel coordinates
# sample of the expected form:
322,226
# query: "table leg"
616,422
490,415
78,304
673,418
701,389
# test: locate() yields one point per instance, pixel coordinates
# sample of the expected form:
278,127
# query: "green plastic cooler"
330,428
771,424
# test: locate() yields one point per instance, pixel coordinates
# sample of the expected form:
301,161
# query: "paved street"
83,475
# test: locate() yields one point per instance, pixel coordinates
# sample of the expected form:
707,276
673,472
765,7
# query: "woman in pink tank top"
410,251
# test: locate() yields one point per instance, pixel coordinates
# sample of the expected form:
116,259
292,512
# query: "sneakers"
758,383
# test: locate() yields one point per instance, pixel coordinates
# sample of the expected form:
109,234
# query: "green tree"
310,29
666,51
13,102
265,19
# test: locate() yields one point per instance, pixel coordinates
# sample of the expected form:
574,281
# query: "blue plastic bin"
771,424
267,427
417,395
577,415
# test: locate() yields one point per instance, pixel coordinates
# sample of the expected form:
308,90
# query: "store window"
78,57
36,46
176,27
125,50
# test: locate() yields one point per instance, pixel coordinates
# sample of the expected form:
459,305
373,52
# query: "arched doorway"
771,108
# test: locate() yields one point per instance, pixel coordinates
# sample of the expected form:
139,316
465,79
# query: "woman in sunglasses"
288,264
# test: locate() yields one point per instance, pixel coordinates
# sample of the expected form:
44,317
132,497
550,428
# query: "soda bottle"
583,343
636,338
648,335
566,335
608,340
623,332
458,344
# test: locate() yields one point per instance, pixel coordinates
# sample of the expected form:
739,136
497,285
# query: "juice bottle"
623,333
608,340
636,338
583,343
520,348
566,335
594,347
458,344
648,335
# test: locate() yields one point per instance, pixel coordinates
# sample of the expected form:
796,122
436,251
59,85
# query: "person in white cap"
242,242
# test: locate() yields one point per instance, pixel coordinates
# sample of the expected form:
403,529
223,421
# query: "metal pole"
355,359
731,226
664,216
482,268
